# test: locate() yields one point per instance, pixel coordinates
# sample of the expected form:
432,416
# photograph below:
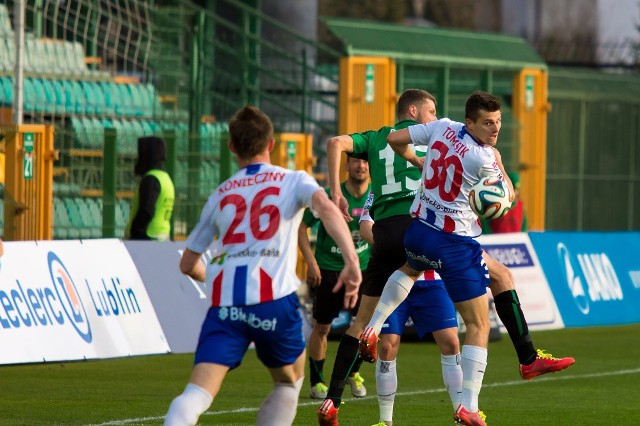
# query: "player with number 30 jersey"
454,162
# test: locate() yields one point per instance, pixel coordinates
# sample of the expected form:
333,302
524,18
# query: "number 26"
256,210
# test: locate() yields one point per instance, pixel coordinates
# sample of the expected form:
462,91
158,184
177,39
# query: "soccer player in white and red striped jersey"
442,237
431,311
255,216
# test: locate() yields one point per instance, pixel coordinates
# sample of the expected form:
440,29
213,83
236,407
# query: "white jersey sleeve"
255,215
421,134
455,161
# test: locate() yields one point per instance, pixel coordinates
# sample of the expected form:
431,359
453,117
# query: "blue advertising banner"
594,276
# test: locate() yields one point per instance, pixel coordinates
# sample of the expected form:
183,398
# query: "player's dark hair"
250,130
413,97
480,101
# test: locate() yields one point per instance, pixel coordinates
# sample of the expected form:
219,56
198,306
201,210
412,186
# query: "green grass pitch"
602,388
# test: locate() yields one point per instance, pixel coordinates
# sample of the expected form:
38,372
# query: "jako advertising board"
515,251
594,276
70,300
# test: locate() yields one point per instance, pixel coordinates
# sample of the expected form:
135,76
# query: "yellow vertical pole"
29,183
530,107
367,95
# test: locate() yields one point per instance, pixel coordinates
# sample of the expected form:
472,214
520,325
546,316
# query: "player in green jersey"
323,268
394,183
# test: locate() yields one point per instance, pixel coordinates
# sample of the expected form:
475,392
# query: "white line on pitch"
143,420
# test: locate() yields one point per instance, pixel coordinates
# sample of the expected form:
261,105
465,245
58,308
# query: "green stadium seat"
60,220
181,178
6,91
80,133
51,104
78,96
47,58
75,222
83,217
29,95
6,60
94,98
61,97
94,215
127,139
110,95
95,132
6,30
125,104
138,129
10,47
40,104
148,129
33,59
90,101
123,210
69,98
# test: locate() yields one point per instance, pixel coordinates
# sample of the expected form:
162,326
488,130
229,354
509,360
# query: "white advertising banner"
515,251
70,300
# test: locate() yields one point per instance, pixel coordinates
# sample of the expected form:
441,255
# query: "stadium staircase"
176,70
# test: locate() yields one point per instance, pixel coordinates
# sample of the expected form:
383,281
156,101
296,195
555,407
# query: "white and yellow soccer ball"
489,198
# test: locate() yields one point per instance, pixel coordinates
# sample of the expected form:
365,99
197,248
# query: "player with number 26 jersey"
453,163
255,214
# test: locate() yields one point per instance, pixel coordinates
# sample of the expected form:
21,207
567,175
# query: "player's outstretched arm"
335,147
350,277
313,271
190,265
400,141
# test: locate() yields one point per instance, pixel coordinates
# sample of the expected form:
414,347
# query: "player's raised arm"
351,276
335,147
400,141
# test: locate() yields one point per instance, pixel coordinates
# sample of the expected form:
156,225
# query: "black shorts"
387,253
326,304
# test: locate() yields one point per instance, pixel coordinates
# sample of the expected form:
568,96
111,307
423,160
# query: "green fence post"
444,89
169,137
487,80
303,115
225,160
109,184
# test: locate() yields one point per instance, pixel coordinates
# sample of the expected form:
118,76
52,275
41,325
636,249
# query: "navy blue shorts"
456,258
429,307
275,327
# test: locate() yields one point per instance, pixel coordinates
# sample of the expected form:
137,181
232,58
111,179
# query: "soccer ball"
489,198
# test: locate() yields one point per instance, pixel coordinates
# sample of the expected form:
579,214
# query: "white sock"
186,408
395,291
474,362
387,385
452,376
279,408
